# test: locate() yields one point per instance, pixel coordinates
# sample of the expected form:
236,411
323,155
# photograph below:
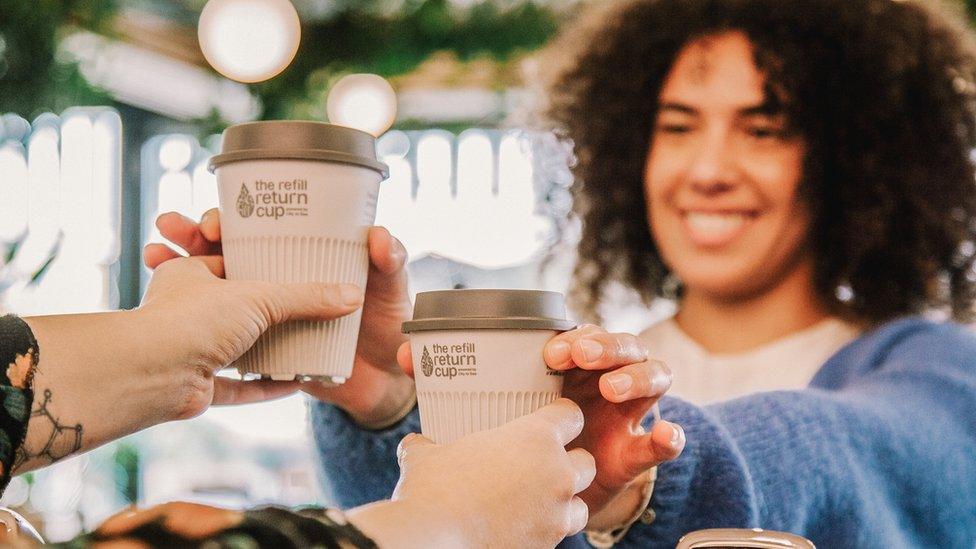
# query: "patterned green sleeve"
19,355
306,528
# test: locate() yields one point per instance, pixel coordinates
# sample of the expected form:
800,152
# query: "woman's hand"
612,380
211,322
513,486
377,388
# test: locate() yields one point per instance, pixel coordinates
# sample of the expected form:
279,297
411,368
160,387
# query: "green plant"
10,276
33,79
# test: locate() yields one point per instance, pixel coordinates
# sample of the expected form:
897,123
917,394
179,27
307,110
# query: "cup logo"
426,363
245,202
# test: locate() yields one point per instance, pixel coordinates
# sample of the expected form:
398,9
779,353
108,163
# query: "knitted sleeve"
878,452
358,466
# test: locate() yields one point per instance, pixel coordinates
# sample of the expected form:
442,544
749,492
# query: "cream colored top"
788,363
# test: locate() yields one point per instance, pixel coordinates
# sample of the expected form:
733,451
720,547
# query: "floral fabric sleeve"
19,355
190,525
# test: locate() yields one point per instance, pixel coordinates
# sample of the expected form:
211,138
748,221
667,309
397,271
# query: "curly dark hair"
882,91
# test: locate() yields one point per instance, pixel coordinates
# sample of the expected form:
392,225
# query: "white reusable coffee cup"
297,200
477,357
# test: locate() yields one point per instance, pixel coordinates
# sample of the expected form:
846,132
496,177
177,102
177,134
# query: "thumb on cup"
562,419
210,225
409,445
405,358
306,300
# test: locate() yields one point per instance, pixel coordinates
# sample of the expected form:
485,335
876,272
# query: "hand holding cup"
378,387
615,383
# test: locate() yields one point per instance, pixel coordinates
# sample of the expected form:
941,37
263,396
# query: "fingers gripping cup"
477,357
297,200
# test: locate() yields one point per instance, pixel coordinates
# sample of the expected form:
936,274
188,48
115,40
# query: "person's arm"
99,377
102,376
878,454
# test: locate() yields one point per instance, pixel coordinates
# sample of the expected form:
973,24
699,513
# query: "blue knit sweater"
879,451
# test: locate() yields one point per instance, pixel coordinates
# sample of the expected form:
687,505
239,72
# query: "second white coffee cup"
477,357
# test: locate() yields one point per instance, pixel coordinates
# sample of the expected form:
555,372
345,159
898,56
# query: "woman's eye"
765,132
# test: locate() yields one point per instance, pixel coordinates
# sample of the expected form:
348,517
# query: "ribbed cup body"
448,416
300,347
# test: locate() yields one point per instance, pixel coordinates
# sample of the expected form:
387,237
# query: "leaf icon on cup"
245,202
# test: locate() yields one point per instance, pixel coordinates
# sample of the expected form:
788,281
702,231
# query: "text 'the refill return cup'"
297,200
477,357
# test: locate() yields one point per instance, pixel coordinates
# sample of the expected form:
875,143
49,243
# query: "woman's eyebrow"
766,108
677,107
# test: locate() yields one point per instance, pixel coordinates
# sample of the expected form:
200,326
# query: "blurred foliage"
386,37
126,459
363,38
9,276
32,78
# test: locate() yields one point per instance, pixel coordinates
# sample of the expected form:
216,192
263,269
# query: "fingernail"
620,383
559,352
350,294
206,215
398,251
660,383
677,435
591,349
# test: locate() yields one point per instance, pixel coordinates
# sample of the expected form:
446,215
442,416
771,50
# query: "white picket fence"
60,188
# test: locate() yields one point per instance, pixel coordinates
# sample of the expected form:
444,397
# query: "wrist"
405,524
626,507
171,377
370,396
393,401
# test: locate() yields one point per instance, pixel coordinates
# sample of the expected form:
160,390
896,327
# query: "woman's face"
722,175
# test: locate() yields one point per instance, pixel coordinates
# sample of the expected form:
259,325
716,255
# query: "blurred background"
110,111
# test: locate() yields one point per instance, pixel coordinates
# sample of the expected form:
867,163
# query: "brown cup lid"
298,140
489,310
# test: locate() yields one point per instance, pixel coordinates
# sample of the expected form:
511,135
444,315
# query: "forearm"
100,377
396,524
835,467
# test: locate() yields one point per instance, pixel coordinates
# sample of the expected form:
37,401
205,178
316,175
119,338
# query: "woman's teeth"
715,224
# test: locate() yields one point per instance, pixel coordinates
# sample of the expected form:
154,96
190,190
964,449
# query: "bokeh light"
175,153
363,101
249,40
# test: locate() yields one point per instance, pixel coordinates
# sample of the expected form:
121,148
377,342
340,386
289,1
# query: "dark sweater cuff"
19,355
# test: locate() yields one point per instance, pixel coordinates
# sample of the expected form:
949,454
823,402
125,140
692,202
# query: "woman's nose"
712,168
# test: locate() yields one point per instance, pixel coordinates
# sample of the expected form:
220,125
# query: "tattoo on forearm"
61,440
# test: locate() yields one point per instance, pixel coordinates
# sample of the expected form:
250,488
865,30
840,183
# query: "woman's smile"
716,228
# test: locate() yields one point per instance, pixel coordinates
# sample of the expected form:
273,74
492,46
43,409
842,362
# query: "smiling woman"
797,177
868,126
